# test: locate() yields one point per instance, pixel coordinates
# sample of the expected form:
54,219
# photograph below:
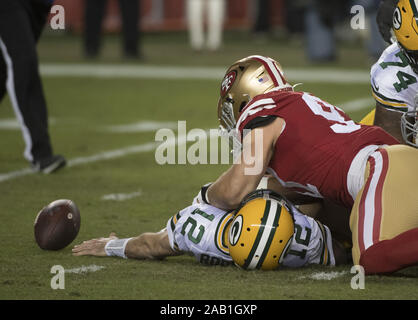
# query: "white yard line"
324,275
105,155
141,126
85,269
112,154
358,104
121,196
13,124
192,73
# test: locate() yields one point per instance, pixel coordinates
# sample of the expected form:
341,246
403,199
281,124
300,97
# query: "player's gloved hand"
93,247
201,196
384,18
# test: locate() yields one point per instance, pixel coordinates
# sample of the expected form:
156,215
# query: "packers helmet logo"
397,19
235,231
227,82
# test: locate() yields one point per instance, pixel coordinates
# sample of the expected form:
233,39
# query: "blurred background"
297,33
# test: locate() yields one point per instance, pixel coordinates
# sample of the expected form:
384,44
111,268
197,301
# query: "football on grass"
57,225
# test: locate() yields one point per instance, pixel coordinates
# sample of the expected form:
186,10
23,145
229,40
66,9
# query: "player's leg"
195,10
384,218
94,12
320,40
388,256
216,10
18,51
130,16
3,78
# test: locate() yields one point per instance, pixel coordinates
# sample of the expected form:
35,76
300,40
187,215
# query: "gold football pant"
384,218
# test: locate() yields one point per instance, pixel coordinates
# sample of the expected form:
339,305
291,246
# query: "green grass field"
81,109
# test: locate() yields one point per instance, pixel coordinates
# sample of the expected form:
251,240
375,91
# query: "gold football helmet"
244,80
261,231
405,28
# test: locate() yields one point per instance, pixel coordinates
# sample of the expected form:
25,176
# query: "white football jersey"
394,83
201,231
311,243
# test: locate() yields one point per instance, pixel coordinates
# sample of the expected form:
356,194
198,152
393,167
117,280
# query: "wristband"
204,193
117,247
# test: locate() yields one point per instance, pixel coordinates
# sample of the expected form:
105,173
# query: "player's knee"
377,260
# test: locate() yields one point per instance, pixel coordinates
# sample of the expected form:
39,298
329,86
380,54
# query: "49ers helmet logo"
227,82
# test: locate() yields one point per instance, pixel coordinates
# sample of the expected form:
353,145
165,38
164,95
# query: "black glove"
385,17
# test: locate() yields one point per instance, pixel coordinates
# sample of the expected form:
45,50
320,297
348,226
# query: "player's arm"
388,120
294,197
245,175
148,245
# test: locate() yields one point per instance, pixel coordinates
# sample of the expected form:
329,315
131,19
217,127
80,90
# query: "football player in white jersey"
204,232
394,77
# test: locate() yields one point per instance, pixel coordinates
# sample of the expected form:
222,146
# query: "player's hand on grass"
93,247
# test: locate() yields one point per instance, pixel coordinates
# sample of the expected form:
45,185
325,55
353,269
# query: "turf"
80,110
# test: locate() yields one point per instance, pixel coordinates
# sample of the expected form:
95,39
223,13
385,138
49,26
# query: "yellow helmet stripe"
265,236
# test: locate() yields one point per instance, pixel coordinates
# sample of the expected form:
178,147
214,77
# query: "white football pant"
214,11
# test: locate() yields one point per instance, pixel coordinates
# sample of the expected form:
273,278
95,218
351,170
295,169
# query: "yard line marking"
358,104
130,71
327,75
324,275
13,124
141,126
15,174
327,275
112,154
85,269
106,155
121,196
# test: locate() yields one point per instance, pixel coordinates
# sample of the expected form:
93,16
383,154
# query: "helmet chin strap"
297,84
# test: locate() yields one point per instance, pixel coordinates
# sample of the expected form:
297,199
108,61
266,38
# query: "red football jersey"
314,152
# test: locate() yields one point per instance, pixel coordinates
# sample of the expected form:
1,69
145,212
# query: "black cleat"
49,165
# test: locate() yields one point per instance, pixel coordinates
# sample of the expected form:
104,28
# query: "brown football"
57,225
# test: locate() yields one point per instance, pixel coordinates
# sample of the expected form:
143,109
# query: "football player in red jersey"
315,150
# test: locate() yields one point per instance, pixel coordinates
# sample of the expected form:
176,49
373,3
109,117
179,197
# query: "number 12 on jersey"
193,225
